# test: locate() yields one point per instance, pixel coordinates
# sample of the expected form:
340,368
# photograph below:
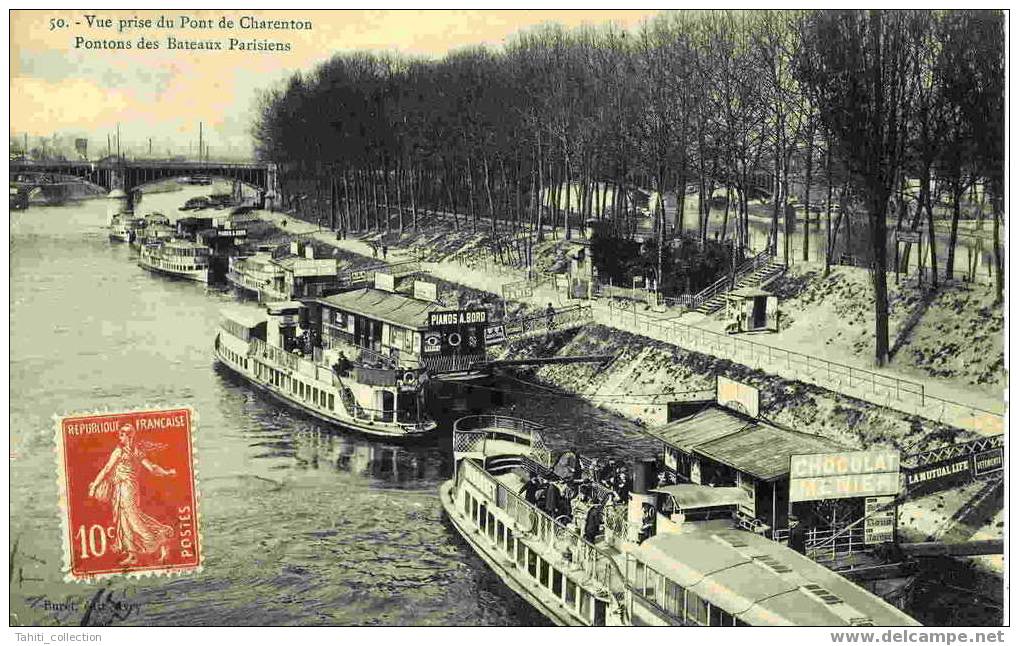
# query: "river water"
301,524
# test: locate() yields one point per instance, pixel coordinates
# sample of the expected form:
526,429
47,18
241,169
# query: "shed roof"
396,309
749,445
709,423
763,450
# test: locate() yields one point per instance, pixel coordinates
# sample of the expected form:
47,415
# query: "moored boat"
271,350
124,228
177,258
665,555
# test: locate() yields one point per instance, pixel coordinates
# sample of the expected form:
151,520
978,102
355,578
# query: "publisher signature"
104,608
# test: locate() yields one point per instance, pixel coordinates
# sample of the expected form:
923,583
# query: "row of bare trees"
861,106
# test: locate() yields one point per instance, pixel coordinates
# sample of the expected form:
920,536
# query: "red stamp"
128,493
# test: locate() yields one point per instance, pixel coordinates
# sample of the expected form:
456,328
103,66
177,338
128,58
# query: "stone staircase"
757,272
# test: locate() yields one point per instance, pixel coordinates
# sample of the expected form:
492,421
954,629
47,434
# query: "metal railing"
885,390
278,356
831,544
553,536
473,431
564,318
723,284
922,458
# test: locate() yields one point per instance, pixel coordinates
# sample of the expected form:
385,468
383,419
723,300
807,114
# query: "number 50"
95,542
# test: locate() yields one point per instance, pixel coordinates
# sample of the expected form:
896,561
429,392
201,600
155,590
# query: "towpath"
933,400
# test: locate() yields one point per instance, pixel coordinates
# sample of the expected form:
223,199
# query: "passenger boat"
271,350
152,227
296,275
252,274
177,258
124,228
661,556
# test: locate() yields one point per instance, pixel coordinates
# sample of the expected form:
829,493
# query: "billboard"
738,397
848,474
426,291
939,475
879,522
385,282
495,334
988,461
455,332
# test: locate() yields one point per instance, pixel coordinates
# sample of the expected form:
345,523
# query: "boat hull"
346,423
507,574
241,287
196,276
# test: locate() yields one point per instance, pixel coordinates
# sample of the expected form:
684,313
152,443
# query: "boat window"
332,402
557,583
500,534
509,541
474,511
543,568
637,580
491,526
521,554
720,617
674,599
467,504
571,593
652,585
483,517
532,563
585,604
696,609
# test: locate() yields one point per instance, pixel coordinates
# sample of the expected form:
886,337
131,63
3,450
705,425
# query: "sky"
64,82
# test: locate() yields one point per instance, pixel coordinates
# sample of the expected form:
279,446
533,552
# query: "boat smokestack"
643,476
641,504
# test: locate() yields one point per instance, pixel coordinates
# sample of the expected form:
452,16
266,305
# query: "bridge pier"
118,203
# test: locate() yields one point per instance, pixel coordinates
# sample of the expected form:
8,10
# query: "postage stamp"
128,493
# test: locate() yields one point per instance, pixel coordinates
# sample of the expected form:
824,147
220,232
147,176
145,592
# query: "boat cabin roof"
284,307
395,309
692,496
249,318
763,582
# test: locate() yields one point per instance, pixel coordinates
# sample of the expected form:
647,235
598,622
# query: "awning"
690,496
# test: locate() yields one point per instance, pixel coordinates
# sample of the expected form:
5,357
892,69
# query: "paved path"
930,400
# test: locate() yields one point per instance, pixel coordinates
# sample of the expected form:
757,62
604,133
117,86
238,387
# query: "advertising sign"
426,291
495,334
849,474
738,397
459,332
907,236
939,475
749,505
385,282
879,526
988,461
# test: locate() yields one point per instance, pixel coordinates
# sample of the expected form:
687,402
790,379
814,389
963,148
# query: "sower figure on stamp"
117,482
